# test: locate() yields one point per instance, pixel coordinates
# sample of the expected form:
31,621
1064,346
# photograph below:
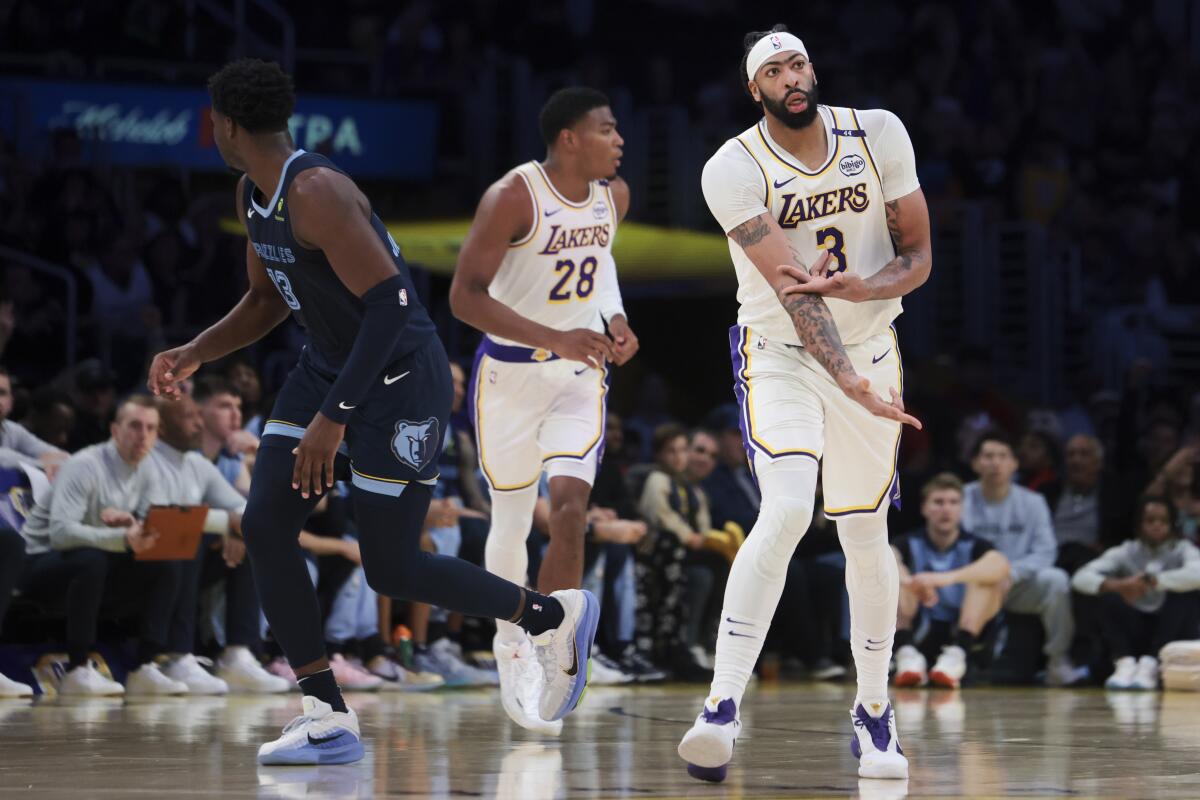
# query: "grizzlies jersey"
561,273
329,312
838,207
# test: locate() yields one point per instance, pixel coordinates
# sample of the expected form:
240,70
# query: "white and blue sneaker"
708,746
875,743
319,736
565,653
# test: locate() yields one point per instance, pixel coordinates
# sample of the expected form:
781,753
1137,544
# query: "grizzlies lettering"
270,252
797,209
559,240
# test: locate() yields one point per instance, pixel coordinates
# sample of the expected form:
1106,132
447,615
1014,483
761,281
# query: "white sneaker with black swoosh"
318,736
565,653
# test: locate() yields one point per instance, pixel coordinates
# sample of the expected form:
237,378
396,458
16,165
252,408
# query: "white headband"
768,46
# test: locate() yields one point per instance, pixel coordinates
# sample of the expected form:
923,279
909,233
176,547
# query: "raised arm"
505,215
255,315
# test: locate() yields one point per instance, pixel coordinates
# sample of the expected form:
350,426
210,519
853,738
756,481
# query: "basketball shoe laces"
878,728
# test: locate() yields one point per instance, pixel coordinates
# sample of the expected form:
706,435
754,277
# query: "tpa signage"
149,126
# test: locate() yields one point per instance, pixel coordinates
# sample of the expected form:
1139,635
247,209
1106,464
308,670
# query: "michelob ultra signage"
152,126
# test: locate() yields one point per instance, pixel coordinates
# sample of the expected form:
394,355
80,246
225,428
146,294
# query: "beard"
793,119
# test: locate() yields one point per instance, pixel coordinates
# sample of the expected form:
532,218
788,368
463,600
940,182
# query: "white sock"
759,571
505,554
873,583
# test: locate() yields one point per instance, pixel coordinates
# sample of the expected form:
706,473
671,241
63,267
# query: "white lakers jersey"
562,274
838,207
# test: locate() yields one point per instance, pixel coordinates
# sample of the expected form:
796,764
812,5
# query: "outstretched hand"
171,368
840,285
858,389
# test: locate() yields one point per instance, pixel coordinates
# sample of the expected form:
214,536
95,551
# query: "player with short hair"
536,275
371,392
828,229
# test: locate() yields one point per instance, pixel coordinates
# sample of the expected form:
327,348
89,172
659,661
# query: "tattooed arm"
908,225
767,246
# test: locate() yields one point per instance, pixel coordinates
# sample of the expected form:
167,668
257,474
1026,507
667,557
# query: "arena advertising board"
137,125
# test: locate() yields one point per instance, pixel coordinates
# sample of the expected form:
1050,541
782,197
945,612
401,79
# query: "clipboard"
179,531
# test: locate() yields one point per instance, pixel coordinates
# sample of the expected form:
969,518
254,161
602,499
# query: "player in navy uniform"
369,399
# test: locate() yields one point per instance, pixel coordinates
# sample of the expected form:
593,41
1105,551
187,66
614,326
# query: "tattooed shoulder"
751,232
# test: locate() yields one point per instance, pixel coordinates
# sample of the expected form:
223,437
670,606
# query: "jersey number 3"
561,293
285,288
831,239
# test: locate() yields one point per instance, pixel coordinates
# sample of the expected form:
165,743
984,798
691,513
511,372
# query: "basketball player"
536,275
817,370
371,393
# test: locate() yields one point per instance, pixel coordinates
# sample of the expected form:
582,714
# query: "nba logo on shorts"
415,442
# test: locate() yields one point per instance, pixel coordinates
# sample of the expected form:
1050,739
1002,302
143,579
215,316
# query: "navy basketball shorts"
394,436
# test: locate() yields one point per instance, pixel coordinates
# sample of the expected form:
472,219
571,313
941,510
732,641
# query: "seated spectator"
1150,591
51,416
671,584
187,478
244,380
95,399
1179,480
80,543
731,488
952,586
1037,455
1086,507
15,498
17,445
223,442
1016,521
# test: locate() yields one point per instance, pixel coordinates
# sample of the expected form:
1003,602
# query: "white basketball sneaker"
950,667
86,681
187,670
1123,675
875,743
521,685
910,667
149,681
565,653
10,688
319,736
238,667
708,746
1145,677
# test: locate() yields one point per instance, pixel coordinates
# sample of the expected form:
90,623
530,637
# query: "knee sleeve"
512,518
782,522
872,576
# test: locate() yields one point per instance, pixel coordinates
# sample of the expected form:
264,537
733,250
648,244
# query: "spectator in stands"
15,497
223,441
1179,480
730,488
952,586
187,478
1150,591
81,541
677,515
51,416
246,384
1016,521
1037,455
17,445
95,399
1087,506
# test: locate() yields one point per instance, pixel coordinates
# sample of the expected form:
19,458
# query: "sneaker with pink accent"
353,678
280,667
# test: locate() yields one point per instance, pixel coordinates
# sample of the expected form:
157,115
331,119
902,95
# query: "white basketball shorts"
532,411
791,408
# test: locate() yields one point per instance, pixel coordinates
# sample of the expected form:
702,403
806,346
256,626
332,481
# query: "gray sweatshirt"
18,446
93,479
1175,564
190,479
1018,526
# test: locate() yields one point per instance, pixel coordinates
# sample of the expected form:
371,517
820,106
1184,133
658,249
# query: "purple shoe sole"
710,774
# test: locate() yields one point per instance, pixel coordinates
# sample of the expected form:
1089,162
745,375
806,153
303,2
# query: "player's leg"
859,480
781,416
562,567
911,666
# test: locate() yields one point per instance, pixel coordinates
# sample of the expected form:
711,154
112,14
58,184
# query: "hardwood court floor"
985,742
